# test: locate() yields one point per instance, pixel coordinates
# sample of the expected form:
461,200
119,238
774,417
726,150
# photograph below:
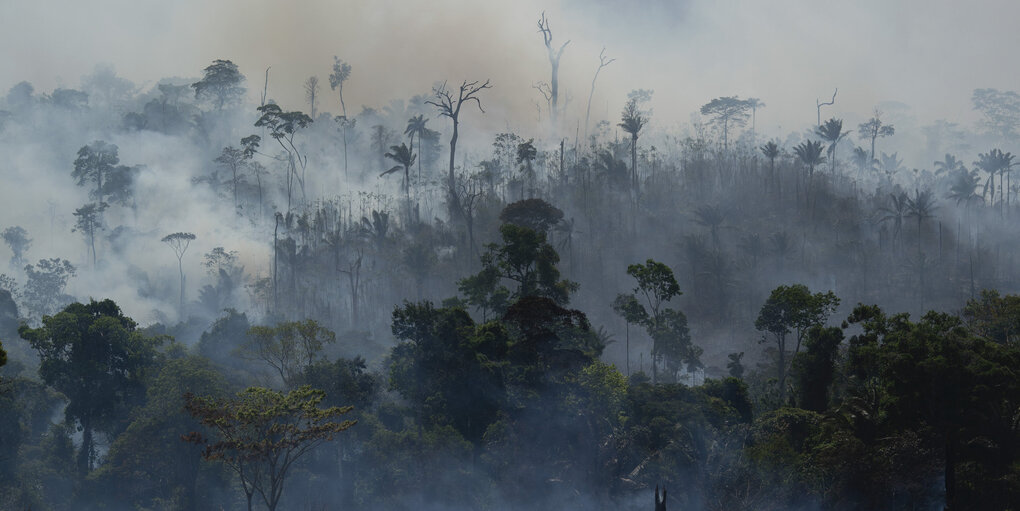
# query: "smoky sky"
929,55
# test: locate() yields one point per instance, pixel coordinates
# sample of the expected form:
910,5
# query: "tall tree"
288,347
312,94
832,132
221,82
771,151
554,62
341,73
95,163
754,104
526,154
449,105
922,207
895,212
416,128
632,121
792,309
874,128
283,127
402,155
179,242
93,354
727,112
89,220
603,62
261,434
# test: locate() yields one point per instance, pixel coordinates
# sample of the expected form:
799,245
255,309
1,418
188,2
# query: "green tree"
524,258
814,369
262,433
288,347
792,309
535,214
94,355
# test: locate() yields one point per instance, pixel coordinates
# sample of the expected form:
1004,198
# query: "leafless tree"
554,62
603,62
449,103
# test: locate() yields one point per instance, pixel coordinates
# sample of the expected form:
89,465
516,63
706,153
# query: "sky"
928,54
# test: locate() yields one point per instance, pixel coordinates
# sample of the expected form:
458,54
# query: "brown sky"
929,54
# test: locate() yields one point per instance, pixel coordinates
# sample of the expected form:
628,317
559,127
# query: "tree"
44,287
921,206
234,160
603,62
341,73
449,106
535,214
771,151
754,104
221,82
525,258
89,220
874,128
814,369
526,154
792,309
554,63
810,154
1000,111
283,127
726,112
288,347
819,105
992,162
262,433
671,341
94,355
416,127
179,242
632,120
832,132
312,94
895,212
95,162
17,239
402,155
632,312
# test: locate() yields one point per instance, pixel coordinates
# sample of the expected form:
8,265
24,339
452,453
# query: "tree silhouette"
874,128
283,127
416,128
832,132
922,207
895,212
554,62
771,151
404,158
221,82
449,106
727,112
341,73
632,121
179,242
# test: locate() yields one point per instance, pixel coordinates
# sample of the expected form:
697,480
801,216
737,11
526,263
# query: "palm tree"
416,126
921,207
754,104
992,162
632,121
895,213
713,218
771,151
810,154
892,163
832,132
404,158
964,186
948,165
862,160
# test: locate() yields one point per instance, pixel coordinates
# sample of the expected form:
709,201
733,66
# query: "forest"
215,300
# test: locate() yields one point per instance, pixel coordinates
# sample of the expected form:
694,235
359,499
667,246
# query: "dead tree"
554,61
449,106
819,105
603,62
